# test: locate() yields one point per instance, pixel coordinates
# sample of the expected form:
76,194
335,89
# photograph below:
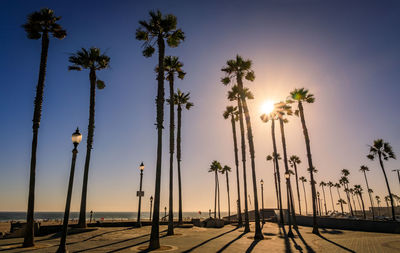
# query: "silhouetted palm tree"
216,167
387,200
364,169
93,60
277,190
294,160
172,66
180,100
232,112
303,96
322,184
341,202
383,150
358,190
157,30
344,180
337,185
225,170
351,193
234,95
303,180
330,185
378,202
40,24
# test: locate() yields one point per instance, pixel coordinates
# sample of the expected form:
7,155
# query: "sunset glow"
267,107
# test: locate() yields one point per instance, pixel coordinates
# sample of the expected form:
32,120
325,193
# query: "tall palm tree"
322,184
40,25
275,158
172,66
344,180
272,158
237,69
93,60
351,193
387,200
378,202
364,169
358,190
303,96
234,95
337,185
381,149
303,180
330,185
216,167
294,160
232,112
180,100
158,30
225,170
341,202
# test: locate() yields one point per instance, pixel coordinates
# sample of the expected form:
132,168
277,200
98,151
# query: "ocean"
40,216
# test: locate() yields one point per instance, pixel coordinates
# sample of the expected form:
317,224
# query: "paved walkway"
227,239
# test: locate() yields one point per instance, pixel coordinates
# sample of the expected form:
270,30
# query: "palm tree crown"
301,95
237,68
172,65
89,59
294,159
43,22
231,111
381,148
182,99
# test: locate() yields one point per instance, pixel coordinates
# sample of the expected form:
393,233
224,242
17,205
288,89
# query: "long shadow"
92,237
207,241
133,245
340,246
332,231
229,243
308,248
252,245
296,245
286,238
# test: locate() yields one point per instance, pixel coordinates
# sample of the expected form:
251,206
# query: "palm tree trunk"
285,161
219,200
29,230
388,187
155,236
330,191
171,156
215,196
297,186
235,148
89,145
241,124
229,199
370,197
178,158
311,167
341,204
275,160
258,233
276,187
305,198
323,191
348,199
363,207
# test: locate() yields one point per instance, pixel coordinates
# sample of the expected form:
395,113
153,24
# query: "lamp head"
141,166
76,137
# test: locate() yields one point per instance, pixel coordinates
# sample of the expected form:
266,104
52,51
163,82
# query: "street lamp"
398,173
262,200
287,176
151,205
140,194
76,139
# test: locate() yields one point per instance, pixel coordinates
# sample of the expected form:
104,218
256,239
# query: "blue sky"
346,52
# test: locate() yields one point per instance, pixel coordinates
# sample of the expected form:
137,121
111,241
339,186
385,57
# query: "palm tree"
239,69
40,24
330,184
382,149
216,167
322,184
294,160
358,190
303,96
341,202
232,112
387,200
344,180
378,201
172,66
276,157
180,100
157,30
364,169
303,180
351,193
93,60
272,158
225,170
234,95
337,185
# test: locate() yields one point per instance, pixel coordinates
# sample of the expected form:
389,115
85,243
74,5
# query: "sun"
267,107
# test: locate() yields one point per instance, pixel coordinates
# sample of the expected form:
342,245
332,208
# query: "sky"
347,53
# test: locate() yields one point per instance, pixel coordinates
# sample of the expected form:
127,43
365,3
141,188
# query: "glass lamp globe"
76,137
141,167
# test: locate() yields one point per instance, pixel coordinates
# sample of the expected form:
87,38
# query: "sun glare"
267,107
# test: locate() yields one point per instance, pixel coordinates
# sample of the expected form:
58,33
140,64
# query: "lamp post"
140,194
76,139
262,200
290,233
151,205
165,212
398,173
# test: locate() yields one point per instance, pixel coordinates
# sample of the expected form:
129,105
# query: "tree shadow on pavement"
340,246
207,241
229,243
286,238
308,248
252,245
